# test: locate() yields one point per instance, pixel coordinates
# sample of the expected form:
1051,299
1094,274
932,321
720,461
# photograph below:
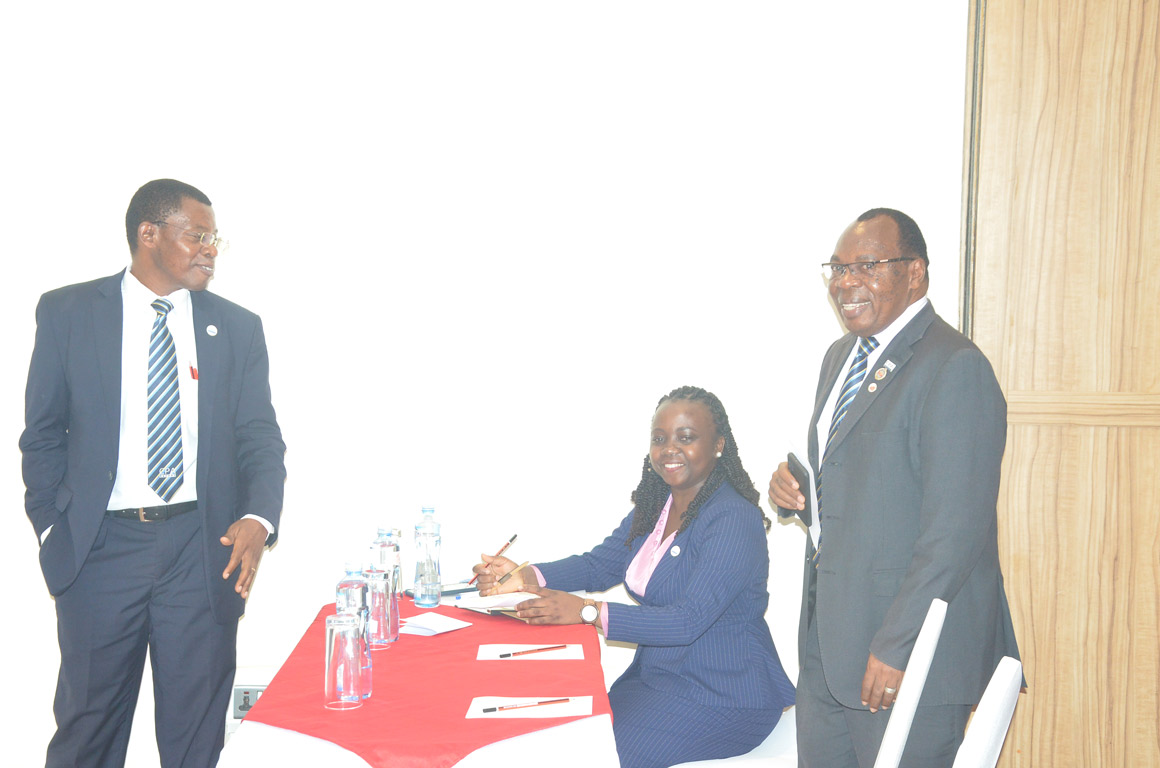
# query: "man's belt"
153,514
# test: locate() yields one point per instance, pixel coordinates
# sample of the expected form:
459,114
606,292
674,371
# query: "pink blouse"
640,570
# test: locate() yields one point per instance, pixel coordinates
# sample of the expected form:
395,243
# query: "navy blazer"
700,626
72,427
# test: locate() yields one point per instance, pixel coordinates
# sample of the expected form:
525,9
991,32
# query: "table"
422,689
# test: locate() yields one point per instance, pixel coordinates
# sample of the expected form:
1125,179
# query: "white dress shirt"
131,488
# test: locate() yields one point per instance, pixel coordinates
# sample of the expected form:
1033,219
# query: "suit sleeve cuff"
265,524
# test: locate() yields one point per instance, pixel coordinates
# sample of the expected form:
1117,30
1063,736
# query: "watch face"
589,613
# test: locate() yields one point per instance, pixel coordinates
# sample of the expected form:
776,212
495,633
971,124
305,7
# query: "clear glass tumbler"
343,683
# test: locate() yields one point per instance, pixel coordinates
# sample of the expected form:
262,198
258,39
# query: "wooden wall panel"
1068,153
1062,235
1081,557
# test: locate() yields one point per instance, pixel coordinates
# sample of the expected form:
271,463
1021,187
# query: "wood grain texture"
1123,409
1066,262
1079,545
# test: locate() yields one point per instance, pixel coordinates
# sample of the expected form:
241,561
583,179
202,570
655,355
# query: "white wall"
516,224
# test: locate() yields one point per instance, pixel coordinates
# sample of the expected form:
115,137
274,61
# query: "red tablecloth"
422,688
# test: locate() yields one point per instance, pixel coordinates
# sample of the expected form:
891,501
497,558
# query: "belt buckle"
141,514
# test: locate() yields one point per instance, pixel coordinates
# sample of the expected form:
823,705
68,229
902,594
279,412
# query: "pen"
531,650
503,579
497,554
506,707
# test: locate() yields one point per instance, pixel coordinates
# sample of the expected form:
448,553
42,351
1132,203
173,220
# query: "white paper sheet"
578,706
492,651
431,623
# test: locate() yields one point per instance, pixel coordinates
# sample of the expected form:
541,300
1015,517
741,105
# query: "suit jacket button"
110,475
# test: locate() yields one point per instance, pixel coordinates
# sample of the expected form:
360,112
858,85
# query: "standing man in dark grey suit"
906,441
154,472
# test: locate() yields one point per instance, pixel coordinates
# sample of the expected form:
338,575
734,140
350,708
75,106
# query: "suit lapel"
665,566
209,340
107,321
885,371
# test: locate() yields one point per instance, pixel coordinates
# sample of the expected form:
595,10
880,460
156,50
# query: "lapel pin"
211,330
676,550
872,388
889,365
880,374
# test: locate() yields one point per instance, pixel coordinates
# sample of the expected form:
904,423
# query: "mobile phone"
802,476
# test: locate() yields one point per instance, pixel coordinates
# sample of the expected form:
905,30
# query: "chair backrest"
988,729
905,704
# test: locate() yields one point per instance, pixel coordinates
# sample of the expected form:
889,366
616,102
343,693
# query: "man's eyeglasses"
861,269
204,238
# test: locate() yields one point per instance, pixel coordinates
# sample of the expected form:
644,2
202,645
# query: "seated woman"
706,681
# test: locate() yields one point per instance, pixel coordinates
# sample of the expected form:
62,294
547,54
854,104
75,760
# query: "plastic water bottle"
378,617
350,596
387,557
428,581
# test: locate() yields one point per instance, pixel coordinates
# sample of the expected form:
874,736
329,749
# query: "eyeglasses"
861,269
204,238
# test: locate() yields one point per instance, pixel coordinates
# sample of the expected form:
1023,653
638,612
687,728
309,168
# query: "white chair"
779,750
988,729
905,704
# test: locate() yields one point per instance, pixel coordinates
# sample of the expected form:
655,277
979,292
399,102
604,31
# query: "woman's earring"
718,454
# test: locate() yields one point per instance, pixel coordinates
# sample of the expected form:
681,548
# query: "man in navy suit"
154,471
906,440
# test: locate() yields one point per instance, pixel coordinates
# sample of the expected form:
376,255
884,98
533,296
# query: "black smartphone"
798,470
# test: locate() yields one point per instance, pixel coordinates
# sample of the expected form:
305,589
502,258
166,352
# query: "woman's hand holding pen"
492,569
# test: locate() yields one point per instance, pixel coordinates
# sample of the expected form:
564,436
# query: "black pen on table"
531,650
506,707
497,554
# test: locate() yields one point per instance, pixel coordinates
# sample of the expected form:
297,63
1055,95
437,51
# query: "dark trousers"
830,735
142,586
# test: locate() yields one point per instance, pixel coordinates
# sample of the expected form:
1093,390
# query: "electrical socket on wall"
244,698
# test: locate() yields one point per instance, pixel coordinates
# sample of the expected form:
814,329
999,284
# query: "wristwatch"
589,613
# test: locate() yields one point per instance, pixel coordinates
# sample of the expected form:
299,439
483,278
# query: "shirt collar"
887,334
134,293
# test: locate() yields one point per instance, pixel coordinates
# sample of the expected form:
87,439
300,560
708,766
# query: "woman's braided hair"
652,492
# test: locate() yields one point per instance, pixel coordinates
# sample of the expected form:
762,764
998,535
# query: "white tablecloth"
583,743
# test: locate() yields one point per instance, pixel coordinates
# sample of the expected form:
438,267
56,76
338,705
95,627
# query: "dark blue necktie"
164,408
850,388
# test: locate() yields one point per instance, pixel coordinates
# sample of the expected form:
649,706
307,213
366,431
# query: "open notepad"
505,603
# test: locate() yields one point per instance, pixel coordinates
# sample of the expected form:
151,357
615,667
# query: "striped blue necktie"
164,408
850,388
